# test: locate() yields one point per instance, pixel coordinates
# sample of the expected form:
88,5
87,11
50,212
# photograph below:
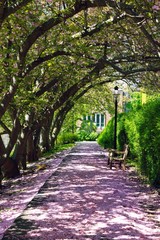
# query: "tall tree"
52,50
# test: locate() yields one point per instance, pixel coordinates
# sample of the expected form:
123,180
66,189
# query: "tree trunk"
30,148
13,135
1,177
2,148
59,119
46,130
37,152
10,168
20,153
33,149
46,146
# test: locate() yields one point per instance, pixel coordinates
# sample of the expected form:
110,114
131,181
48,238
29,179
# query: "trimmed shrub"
132,121
106,137
121,131
149,130
141,130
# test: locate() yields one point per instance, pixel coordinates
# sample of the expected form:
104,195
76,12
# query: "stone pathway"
84,199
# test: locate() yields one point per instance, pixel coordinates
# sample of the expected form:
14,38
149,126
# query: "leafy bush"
143,132
83,136
121,131
93,136
132,121
149,130
66,138
106,137
139,128
87,131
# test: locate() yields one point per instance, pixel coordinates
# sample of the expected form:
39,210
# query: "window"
97,118
102,120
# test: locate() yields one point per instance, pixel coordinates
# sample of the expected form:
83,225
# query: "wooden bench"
118,157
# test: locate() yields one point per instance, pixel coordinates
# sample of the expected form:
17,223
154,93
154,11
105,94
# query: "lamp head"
116,93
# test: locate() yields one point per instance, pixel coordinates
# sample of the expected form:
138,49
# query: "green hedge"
67,137
149,140
106,138
141,130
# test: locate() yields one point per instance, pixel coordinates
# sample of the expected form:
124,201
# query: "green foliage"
51,54
83,136
121,131
149,130
95,101
132,122
87,131
141,130
92,136
67,137
135,102
106,138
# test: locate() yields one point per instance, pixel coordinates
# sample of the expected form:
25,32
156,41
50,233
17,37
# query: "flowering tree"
52,52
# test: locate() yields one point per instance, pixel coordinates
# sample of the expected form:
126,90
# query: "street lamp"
115,94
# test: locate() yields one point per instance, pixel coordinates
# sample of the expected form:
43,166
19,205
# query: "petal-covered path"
84,199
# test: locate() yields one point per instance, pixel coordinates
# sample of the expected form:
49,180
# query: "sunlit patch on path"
84,199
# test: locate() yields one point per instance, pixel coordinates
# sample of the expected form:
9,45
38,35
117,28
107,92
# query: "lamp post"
116,93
